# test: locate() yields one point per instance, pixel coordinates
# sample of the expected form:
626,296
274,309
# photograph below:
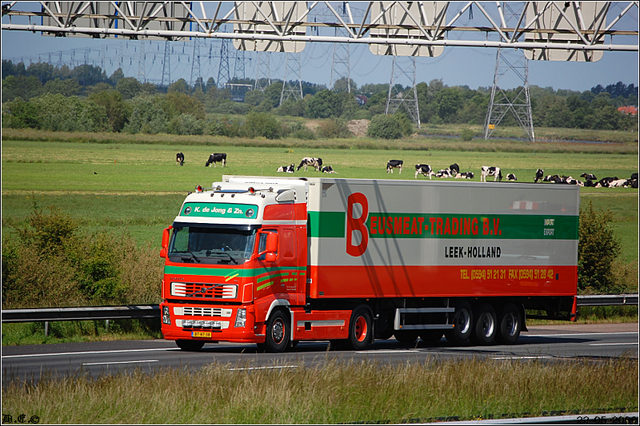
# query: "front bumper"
209,323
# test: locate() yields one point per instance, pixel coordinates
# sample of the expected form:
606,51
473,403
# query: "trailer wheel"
360,329
190,345
463,324
485,326
509,324
278,332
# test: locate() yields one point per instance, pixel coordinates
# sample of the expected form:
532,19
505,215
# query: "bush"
334,128
597,250
262,124
385,127
466,134
52,263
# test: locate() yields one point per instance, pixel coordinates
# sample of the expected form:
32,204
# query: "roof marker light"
252,190
199,188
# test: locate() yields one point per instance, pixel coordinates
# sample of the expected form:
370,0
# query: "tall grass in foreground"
333,393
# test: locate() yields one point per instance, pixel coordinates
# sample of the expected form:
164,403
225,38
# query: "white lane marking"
578,334
261,368
521,357
119,362
614,344
389,351
88,352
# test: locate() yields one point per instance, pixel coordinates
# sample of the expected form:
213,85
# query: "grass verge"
33,333
333,392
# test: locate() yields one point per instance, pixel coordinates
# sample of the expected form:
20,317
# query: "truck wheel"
278,332
463,324
485,326
360,329
190,345
509,324
408,337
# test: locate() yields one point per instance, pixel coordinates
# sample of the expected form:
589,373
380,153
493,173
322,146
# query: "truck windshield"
202,244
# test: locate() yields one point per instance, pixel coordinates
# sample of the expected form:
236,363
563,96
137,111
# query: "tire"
190,345
509,325
463,324
360,329
407,337
278,332
431,336
485,325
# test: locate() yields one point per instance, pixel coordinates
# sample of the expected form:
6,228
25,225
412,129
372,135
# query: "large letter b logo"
357,224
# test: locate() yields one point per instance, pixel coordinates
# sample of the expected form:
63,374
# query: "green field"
138,187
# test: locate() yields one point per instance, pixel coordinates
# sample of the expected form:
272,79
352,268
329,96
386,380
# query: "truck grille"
204,290
201,312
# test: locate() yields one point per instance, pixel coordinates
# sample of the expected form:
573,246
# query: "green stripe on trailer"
449,226
326,224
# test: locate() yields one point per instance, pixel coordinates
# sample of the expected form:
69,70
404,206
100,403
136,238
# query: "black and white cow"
179,158
553,179
444,173
394,164
455,169
539,176
511,177
604,182
327,169
491,171
424,169
217,157
465,175
286,169
589,176
310,161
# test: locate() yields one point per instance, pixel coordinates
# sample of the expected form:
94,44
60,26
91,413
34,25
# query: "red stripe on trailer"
441,281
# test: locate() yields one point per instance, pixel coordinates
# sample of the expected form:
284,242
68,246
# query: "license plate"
200,334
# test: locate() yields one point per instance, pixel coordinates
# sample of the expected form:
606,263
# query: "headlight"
166,318
241,318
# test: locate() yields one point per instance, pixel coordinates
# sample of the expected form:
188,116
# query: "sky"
456,66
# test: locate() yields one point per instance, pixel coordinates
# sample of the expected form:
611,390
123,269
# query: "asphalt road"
550,343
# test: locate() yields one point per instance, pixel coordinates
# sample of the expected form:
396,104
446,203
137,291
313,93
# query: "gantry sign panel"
561,31
407,21
264,18
573,22
139,17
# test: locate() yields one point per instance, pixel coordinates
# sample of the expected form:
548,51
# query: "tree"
176,103
129,87
20,114
116,109
180,86
147,115
20,87
322,105
64,87
116,76
88,75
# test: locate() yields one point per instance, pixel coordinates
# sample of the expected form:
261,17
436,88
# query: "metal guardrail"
607,299
153,311
81,313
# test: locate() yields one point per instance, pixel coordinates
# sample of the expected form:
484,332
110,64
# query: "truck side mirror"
272,247
165,242
272,242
